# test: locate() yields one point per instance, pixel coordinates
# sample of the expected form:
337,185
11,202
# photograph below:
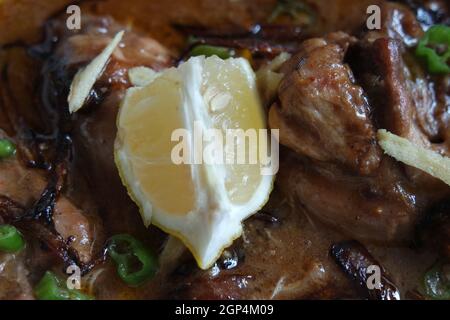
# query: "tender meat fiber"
415,103
322,113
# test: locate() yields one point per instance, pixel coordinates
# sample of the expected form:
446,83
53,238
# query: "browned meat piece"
70,222
24,186
382,208
322,113
405,100
378,202
355,261
324,117
380,67
398,23
394,110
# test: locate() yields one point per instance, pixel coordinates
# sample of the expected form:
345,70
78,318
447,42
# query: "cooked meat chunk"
24,186
382,208
325,118
20,188
328,118
398,23
405,100
322,113
395,109
69,220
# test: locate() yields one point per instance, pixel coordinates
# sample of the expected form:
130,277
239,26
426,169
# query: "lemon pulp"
201,203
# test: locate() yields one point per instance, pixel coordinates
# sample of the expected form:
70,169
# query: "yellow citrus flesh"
202,204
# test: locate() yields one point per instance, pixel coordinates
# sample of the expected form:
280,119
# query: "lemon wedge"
203,203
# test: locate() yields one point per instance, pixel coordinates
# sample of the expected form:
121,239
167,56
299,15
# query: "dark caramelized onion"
354,259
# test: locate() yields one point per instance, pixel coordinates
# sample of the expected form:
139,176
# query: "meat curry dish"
341,203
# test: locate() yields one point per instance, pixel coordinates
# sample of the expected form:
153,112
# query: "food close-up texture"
93,92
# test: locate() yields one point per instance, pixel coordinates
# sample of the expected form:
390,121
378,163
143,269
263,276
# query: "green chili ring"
52,288
11,240
436,61
124,260
7,149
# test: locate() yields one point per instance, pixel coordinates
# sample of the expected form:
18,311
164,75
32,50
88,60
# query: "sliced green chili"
7,148
434,48
10,239
208,51
135,263
52,288
294,9
437,283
